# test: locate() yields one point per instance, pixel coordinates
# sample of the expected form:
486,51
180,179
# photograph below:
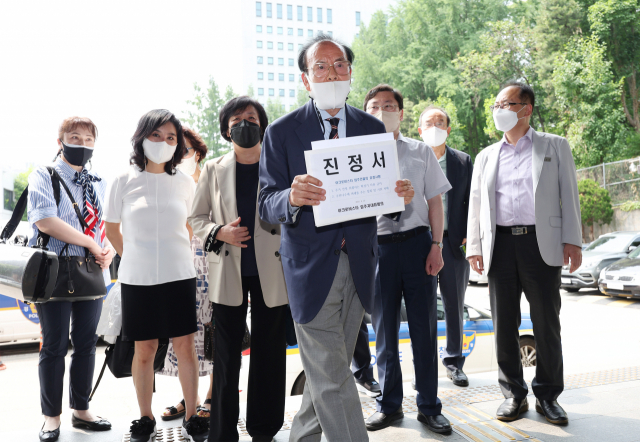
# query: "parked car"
622,278
601,253
478,347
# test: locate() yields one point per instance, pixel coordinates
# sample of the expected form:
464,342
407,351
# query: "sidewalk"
603,406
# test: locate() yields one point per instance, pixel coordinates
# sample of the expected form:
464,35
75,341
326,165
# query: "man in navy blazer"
329,270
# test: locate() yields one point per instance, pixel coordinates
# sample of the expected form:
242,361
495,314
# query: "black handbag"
79,277
119,359
26,273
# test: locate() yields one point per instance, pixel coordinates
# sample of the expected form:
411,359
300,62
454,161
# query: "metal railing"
620,178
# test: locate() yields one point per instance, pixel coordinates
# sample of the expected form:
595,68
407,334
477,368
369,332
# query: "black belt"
516,230
402,236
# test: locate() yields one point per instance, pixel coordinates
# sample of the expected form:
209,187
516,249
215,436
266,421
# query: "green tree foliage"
275,109
20,182
595,204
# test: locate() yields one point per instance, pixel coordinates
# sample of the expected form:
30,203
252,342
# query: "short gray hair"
430,108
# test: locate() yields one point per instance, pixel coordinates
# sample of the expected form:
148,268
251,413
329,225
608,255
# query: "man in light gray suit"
524,224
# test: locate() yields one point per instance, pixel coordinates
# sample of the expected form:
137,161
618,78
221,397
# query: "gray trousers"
330,402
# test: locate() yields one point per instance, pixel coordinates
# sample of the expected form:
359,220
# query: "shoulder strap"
56,193
16,216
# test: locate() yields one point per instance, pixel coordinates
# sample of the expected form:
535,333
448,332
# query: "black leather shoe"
378,420
552,411
49,436
511,408
437,424
98,425
458,377
371,388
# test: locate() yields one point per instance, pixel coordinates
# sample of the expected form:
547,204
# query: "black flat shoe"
437,424
552,411
511,408
458,377
98,425
378,420
49,436
371,388
173,412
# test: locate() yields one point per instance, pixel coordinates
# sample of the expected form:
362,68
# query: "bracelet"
213,245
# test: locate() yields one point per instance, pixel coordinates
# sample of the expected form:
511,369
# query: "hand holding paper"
306,191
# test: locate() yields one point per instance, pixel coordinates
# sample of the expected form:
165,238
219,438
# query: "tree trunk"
633,117
592,236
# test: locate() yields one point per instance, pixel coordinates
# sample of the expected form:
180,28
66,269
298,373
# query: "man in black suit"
454,276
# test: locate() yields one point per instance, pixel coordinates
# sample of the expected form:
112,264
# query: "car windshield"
635,253
609,243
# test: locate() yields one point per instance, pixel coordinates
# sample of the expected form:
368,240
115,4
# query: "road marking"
466,414
501,433
469,435
484,433
621,303
514,429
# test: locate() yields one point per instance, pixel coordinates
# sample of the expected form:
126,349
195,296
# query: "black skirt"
159,311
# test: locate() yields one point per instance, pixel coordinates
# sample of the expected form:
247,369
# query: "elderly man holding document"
329,270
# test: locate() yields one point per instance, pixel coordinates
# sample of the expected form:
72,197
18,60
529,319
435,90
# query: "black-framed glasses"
321,70
386,108
504,105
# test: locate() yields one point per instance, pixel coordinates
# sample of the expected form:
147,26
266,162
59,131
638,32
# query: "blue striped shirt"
42,204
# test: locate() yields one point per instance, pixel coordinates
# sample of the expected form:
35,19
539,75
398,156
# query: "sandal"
204,411
2,366
174,413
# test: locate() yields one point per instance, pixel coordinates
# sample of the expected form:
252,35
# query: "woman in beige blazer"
243,261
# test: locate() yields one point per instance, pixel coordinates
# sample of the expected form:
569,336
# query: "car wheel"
298,385
528,351
572,289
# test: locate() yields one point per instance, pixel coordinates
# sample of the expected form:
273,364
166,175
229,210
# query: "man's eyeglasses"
386,108
321,70
439,125
503,105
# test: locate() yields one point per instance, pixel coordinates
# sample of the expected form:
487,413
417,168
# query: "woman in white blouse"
152,201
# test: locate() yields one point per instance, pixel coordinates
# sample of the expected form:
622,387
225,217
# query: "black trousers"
267,370
54,320
361,363
453,280
517,265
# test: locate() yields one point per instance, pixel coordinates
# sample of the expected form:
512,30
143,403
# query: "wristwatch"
438,243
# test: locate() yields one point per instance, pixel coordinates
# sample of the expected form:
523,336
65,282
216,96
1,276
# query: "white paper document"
359,175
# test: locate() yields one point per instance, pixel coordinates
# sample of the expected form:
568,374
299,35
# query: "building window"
279,10
300,31
269,45
259,44
270,76
292,92
299,46
291,62
268,10
289,12
280,30
309,13
271,92
330,33
259,60
280,77
289,31
290,46
280,46
260,91
329,16
258,9
259,28
280,61
269,30
281,92
357,18
299,13
269,60
309,32
319,15
260,75
291,77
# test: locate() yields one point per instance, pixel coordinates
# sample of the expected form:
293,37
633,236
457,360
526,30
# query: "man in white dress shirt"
524,224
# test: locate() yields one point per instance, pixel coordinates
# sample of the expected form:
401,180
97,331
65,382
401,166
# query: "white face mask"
330,94
506,119
158,151
188,165
434,136
391,120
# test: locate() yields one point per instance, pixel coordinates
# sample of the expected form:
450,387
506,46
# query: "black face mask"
245,134
77,155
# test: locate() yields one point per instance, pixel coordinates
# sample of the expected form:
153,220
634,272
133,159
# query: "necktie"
91,210
332,136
